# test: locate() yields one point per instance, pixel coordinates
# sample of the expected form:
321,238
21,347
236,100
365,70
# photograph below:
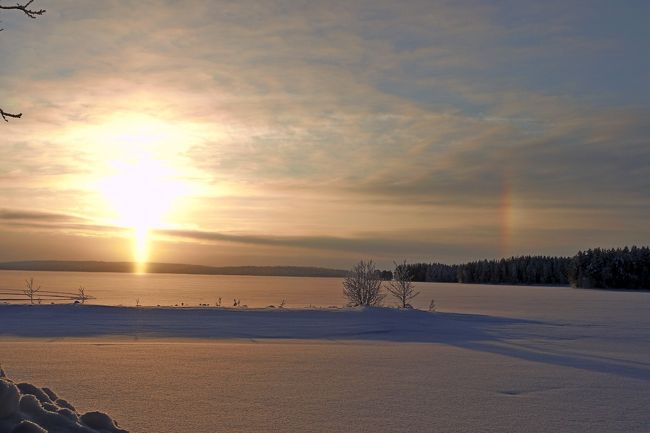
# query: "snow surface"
541,360
391,324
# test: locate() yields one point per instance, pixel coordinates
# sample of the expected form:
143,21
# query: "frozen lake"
494,359
191,290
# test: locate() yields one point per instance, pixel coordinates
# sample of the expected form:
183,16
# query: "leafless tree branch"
31,13
31,290
402,287
4,115
362,286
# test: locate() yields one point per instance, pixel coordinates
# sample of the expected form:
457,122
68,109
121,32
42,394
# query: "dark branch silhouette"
31,13
4,115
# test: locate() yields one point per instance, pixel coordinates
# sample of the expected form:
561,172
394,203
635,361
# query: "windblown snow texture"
25,408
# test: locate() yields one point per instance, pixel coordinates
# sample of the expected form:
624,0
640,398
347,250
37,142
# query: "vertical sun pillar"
140,249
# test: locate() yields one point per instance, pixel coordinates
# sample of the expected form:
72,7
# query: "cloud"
55,222
39,217
363,244
328,120
382,244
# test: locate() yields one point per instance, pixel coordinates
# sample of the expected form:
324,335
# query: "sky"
321,133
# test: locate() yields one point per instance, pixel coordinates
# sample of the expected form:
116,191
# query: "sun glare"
139,166
141,193
140,186
141,249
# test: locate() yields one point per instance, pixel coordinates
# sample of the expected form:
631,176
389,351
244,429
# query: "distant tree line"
513,270
517,270
616,268
437,272
594,268
383,275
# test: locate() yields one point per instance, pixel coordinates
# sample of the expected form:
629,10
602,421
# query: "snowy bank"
25,408
328,323
387,324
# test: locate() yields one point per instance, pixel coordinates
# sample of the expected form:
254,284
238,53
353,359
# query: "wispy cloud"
32,216
320,121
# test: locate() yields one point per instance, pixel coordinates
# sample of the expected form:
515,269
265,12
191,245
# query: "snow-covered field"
537,360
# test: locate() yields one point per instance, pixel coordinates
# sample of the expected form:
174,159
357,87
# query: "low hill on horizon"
171,268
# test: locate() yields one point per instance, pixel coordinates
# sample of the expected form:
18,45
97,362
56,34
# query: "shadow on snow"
518,338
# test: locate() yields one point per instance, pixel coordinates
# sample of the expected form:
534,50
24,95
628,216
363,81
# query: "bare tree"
82,297
362,286
401,286
31,290
31,13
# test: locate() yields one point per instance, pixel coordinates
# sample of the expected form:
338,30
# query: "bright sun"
141,193
140,182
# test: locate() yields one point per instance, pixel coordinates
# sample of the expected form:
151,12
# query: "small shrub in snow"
81,296
31,290
401,286
362,286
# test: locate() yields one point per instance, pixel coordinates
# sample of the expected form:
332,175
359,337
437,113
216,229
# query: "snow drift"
61,321
25,408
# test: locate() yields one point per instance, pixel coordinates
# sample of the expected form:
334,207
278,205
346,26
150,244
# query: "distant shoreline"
172,268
